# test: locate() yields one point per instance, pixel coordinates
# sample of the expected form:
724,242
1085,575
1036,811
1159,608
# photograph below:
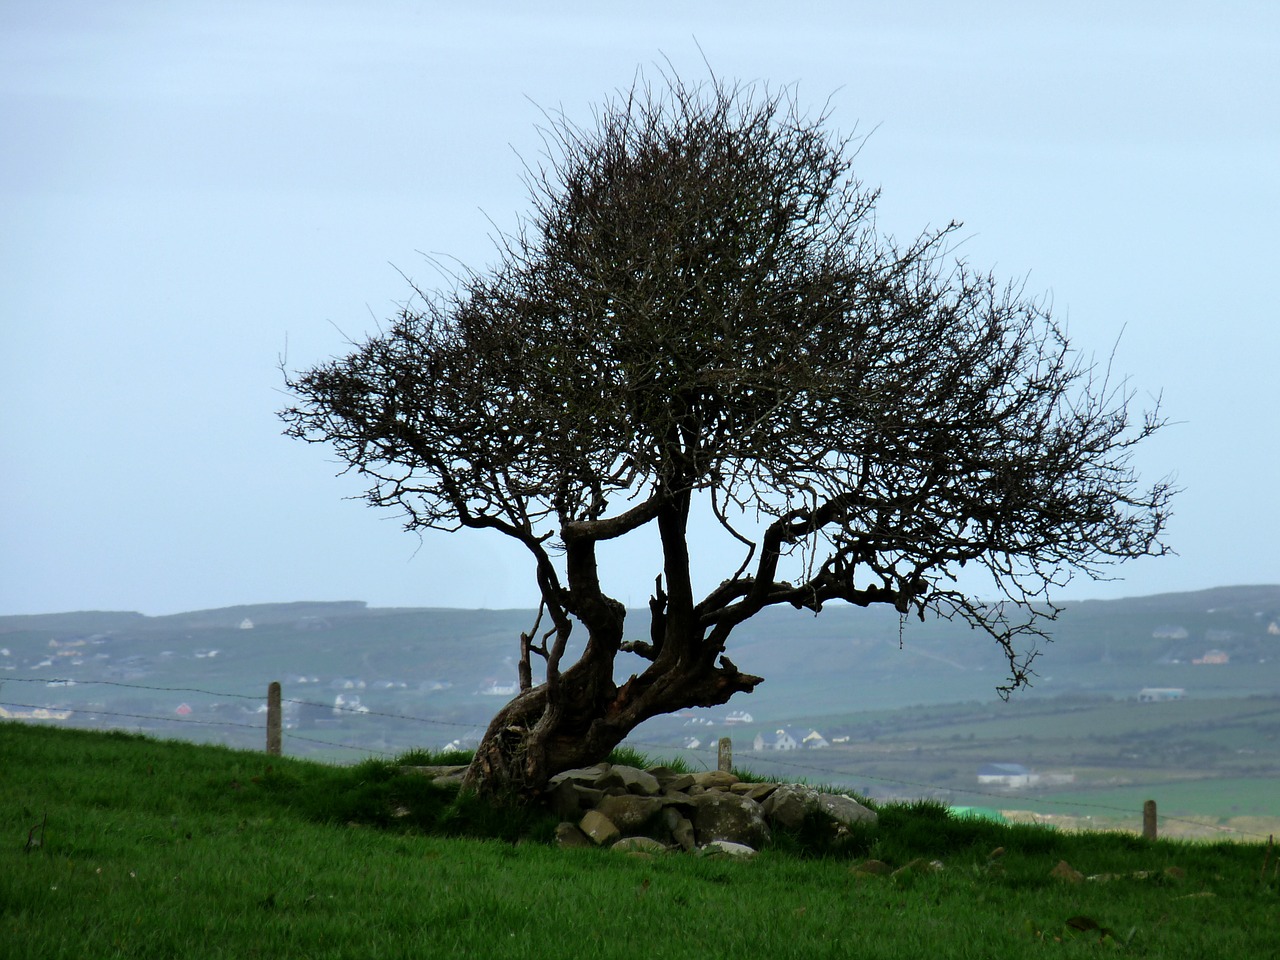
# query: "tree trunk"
530,741
539,734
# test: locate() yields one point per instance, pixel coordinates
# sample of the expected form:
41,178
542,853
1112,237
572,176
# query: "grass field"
117,846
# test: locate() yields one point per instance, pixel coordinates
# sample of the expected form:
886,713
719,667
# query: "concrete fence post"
273,719
726,755
1149,820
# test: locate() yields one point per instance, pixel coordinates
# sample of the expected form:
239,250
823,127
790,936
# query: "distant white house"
790,739
779,740
468,741
1012,775
1215,657
1158,694
813,740
494,688
343,704
246,624
738,716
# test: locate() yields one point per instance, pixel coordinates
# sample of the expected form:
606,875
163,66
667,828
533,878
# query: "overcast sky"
190,191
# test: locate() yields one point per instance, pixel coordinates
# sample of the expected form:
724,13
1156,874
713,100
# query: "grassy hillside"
118,846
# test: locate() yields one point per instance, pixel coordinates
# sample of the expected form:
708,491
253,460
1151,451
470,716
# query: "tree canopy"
700,313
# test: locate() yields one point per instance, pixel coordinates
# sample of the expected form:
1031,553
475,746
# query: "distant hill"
450,666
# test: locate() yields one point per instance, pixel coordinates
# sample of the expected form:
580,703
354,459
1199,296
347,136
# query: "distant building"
1170,633
778,740
246,624
1213,657
790,739
1158,694
739,716
1011,775
468,741
813,740
344,704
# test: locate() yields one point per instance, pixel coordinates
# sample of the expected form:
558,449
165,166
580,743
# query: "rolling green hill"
122,846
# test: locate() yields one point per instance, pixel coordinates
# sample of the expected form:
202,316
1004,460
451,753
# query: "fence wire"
360,711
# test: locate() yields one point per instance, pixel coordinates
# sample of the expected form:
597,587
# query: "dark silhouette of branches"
700,310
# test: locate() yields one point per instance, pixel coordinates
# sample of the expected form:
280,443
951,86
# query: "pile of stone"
712,812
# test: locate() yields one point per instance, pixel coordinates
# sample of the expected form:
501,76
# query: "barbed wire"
337,708
343,746
182,721
75,681
361,711
135,716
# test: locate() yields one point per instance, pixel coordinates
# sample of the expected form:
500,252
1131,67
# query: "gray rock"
599,828
568,835
568,799
710,779
611,781
845,810
585,775
714,808
724,816
760,792
680,827
639,845
789,804
726,849
630,812
638,781
670,780
599,776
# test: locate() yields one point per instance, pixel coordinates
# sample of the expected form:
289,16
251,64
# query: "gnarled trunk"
583,715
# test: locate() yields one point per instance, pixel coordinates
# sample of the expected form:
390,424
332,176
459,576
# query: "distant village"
135,690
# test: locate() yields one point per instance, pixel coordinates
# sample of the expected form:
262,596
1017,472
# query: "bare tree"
699,314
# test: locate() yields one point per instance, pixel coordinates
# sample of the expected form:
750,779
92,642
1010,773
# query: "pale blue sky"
190,189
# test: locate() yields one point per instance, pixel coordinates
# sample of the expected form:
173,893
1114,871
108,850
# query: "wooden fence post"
1149,820
273,719
726,755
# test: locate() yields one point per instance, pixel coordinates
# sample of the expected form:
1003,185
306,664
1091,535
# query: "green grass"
1197,798
162,849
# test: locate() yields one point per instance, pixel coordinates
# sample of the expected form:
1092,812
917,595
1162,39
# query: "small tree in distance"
699,314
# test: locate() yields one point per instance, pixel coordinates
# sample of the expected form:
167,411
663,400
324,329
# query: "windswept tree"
699,315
